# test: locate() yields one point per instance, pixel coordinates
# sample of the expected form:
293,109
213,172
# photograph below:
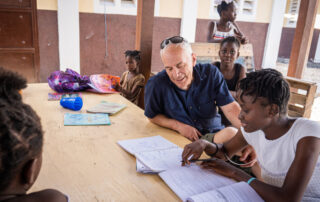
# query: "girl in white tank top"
226,26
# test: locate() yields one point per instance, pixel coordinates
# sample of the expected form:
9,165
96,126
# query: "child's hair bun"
133,53
11,83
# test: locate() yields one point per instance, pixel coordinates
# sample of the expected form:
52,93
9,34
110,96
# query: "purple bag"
68,81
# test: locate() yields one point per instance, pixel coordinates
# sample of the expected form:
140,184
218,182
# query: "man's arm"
185,130
232,111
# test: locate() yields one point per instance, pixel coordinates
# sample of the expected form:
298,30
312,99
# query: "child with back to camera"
21,140
232,72
287,148
131,82
226,26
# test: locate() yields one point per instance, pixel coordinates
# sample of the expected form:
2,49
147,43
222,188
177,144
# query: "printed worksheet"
191,180
240,191
135,146
161,160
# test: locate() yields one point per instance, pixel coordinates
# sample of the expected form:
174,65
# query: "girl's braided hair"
269,84
21,135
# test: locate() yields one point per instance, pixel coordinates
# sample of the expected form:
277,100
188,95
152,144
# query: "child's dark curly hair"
21,135
135,54
269,84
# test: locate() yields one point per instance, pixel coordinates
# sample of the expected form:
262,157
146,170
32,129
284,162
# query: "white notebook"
141,168
191,183
153,143
160,160
153,154
195,184
240,191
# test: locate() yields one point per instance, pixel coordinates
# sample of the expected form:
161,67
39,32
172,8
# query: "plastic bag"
68,81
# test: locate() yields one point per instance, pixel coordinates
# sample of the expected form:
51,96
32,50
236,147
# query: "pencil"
198,160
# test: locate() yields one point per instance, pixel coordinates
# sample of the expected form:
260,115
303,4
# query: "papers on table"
191,183
146,144
240,191
161,160
106,107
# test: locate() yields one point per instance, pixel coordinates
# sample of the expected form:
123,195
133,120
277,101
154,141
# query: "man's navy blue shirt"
196,106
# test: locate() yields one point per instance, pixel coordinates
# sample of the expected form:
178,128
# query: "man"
184,97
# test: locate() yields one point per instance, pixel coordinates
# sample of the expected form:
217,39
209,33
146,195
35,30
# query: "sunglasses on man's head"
174,39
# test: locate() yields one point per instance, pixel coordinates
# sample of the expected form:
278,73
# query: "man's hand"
248,155
188,131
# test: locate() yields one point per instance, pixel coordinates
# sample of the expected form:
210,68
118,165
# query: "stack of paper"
153,154
106,107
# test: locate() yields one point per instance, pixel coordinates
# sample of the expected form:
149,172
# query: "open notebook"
191,183
195,184
159,153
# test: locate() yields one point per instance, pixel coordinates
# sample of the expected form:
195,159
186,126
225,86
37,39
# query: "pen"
203,160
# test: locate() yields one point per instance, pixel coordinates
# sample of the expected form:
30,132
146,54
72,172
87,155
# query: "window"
127,7
293,12
246,10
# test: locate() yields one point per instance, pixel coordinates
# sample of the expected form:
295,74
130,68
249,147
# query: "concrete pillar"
271,48
189,20
68,31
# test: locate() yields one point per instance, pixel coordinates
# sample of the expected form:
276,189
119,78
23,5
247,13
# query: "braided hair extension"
21,135
269,84
134,54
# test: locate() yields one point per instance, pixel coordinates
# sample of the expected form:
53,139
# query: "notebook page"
141,168
161,160
240,192
192,180
134,146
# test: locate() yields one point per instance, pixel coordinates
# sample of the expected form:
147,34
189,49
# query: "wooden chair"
209,52
302,94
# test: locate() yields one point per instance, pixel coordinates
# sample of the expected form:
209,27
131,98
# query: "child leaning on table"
287,148
131,81
21,139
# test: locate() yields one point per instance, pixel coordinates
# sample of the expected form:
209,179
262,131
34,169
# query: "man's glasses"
174,40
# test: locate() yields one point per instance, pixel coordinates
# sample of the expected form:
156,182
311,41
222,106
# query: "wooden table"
85,162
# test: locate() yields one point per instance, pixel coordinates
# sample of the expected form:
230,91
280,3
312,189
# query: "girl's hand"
242,39
248,155
194,149
223,168
117,87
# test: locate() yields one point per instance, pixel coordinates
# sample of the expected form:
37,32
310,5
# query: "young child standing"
232,72
21,139
226,26
131,81
287,148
